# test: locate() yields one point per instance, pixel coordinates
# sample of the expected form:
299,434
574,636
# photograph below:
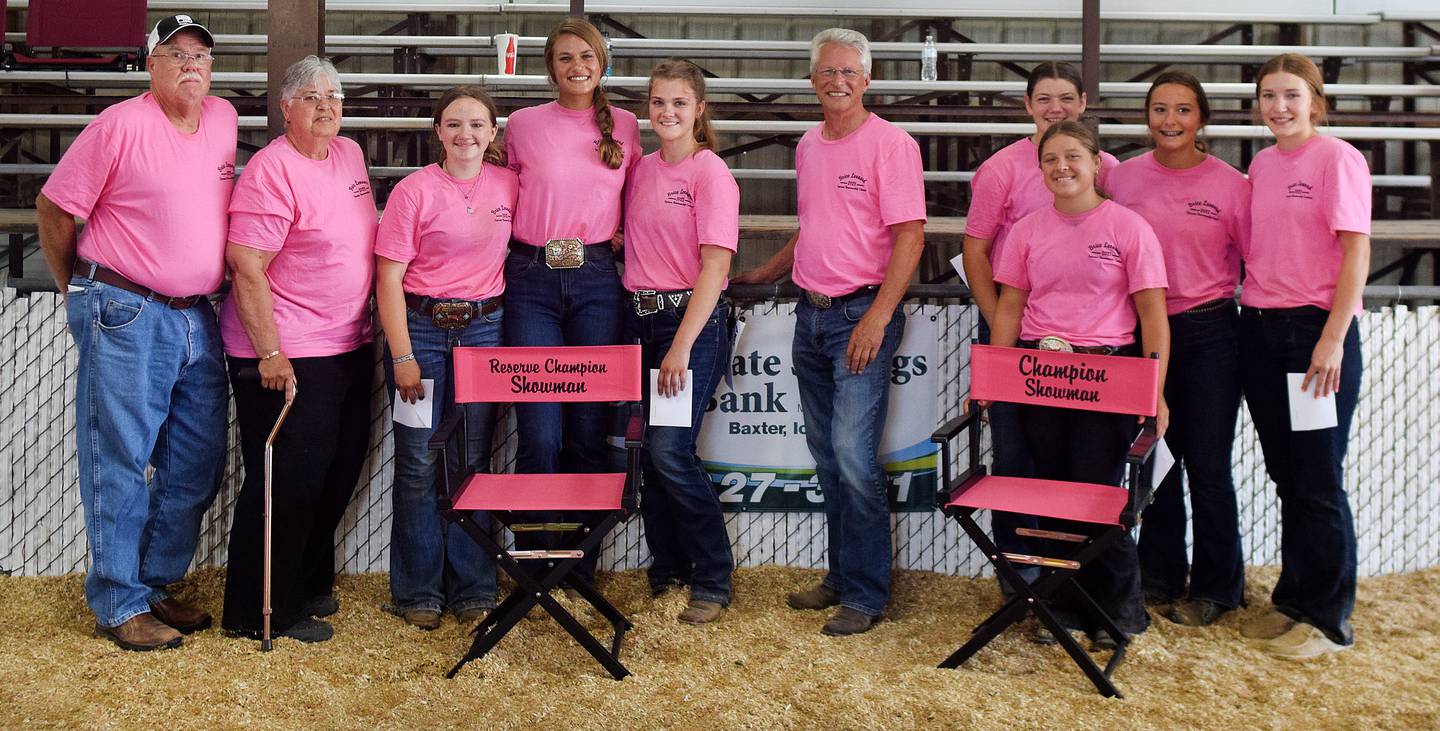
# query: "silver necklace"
469,209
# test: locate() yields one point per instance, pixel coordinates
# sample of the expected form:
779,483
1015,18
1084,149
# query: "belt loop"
93,267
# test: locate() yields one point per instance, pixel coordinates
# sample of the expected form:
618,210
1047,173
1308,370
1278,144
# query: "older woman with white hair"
302,232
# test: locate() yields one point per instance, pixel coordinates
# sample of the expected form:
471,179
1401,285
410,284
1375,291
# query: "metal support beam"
577,8
297,29
1090,49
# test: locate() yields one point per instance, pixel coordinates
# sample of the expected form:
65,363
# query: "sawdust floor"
761,666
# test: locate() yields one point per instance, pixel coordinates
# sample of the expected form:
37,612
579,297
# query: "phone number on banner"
908,491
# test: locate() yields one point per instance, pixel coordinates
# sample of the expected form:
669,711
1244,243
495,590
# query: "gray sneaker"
1196,612
819,596
848,621
1267,626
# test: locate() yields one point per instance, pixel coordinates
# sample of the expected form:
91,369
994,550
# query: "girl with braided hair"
572,156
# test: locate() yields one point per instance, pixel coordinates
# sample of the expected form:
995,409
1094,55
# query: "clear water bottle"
609,54
928,57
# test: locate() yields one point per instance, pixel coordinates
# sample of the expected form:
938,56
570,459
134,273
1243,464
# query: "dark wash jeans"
1089,446
844,419
435,565
1202,388
1317,530
547,307
1009,457
684,527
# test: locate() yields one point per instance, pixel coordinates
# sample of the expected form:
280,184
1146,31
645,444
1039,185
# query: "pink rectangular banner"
1111,383
576,373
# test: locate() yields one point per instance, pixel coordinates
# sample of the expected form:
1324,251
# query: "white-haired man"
861,232
151,176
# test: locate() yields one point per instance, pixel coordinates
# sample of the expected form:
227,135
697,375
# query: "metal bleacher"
395,55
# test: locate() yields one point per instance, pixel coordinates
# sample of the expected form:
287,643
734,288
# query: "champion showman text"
1035,386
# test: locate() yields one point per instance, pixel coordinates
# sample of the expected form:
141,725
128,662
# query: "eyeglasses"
180,58
314,97
830,73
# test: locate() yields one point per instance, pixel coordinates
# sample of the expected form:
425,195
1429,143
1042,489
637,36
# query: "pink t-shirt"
320,216
850,191
1301,200
153,198
450,253
1008,187
1081,271
1201,216
565,191
670,210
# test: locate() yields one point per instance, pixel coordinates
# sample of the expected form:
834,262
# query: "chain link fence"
1393,470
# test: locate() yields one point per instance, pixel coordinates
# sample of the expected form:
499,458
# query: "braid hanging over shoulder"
612,153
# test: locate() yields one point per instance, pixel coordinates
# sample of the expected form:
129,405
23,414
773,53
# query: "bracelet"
402,359
270,355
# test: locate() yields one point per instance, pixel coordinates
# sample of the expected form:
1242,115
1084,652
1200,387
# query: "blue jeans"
1202,388
1009,457
434,565
844,418
684,527
552,308
1317,530
149,388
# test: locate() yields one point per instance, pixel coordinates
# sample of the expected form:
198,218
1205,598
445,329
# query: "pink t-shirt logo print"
1203,209
1299,189
852,181
227,170
1105,251
360,189
680,197
502,213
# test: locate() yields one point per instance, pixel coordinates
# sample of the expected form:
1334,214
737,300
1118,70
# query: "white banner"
753,436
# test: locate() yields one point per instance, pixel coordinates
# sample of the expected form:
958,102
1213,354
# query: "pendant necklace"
469,209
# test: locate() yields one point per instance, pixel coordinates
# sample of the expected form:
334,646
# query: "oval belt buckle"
1054,343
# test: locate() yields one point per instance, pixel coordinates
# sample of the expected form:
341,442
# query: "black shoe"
1101,641
308,630
321,606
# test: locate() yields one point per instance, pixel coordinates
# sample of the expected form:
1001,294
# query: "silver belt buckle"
641,294
822,301
564,253
1056,344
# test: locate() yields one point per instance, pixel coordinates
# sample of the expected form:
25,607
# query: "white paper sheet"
415,415
672,411
958,262
1308,413
1162,462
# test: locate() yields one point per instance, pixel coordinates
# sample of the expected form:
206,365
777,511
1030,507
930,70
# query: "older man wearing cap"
861,204
151,176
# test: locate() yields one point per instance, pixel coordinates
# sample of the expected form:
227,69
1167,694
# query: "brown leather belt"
1126,349
425,305
96,273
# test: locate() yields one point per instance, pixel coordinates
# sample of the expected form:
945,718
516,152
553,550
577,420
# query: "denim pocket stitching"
118,305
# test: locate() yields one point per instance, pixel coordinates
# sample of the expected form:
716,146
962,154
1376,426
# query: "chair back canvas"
557,374
1110,383
86,23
